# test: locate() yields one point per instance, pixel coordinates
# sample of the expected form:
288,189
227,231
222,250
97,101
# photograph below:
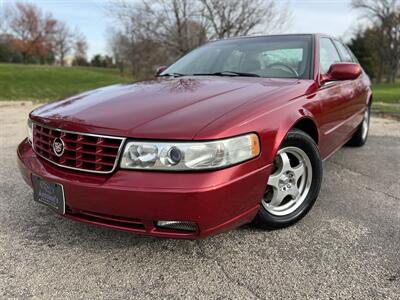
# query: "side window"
328,55
344,53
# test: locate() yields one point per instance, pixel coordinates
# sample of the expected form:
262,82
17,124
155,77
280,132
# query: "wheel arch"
307,125
302,121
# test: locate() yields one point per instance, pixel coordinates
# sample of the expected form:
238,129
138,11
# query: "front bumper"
134,200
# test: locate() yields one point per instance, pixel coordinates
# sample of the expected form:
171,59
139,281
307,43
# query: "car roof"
276,35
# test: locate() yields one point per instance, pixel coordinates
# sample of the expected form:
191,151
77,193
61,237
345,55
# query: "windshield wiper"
172,74
227,73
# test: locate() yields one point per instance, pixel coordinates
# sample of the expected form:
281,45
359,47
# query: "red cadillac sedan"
233,132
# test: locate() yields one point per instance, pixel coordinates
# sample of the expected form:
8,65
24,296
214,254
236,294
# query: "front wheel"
294,183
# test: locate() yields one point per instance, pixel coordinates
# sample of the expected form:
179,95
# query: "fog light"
177,225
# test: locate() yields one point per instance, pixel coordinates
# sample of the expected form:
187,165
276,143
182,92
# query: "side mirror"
159,70
341,71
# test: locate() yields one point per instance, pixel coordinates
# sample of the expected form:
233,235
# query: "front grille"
85,152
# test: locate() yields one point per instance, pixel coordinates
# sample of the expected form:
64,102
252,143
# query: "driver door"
336,98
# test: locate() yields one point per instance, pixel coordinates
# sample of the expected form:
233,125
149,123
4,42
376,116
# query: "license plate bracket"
49,193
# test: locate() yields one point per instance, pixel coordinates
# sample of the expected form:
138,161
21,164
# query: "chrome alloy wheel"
365,125
289,183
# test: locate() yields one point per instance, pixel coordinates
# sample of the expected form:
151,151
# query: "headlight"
29,129
184,156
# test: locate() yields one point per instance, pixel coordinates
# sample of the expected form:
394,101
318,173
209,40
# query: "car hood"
175,108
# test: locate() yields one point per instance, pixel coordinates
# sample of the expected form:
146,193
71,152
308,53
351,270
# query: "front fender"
287,123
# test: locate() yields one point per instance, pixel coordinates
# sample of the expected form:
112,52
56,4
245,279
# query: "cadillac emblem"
58,147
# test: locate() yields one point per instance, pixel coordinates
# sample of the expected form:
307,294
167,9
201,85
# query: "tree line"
148,33
28,35
154,32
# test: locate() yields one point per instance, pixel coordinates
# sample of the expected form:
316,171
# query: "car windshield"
270,57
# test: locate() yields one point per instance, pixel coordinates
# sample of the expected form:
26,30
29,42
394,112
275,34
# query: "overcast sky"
334,17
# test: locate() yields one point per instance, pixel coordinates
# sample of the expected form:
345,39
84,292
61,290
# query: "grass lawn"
48,83
386,98
387,93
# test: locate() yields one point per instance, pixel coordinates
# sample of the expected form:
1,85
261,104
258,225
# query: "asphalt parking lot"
347,247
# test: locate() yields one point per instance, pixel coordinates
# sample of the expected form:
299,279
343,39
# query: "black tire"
359,138
301,140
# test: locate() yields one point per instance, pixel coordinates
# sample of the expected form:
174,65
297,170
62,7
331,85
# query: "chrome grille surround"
91,153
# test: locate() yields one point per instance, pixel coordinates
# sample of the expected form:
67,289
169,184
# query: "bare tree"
63,39
134,42
385,17
117,46
243,17
176,24
80,46
158,31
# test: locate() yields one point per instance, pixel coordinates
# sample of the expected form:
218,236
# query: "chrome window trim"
122,139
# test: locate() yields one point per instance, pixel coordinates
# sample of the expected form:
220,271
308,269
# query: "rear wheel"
360,136
294,183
